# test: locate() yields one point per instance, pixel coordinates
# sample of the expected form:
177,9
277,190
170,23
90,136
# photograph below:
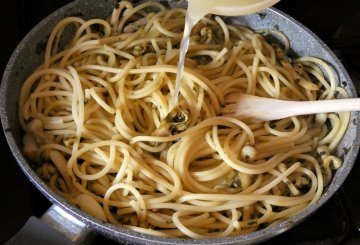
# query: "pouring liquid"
198,9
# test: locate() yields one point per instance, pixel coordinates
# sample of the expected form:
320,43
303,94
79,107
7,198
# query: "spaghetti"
98,123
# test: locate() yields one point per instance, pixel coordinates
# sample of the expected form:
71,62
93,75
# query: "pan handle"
56,227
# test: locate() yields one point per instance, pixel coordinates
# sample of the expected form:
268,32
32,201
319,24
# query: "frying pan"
64,223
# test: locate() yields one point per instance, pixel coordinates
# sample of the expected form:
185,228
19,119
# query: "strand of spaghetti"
137,158
206,123
330,93
54,32
141,213
131,11
26,88
277,179
241,201
209,88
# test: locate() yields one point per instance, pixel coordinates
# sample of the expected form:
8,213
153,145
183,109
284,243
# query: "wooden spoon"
258,109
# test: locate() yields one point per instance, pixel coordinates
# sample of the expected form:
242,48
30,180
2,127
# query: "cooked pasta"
100,129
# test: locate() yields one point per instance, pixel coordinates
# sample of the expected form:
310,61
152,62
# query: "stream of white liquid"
184,46
198,9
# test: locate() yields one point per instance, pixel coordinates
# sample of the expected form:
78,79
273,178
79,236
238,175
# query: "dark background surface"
19,199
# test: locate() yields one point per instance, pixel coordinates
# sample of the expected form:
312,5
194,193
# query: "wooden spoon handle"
266,109
323,106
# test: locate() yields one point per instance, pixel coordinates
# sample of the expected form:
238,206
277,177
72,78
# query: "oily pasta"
100,127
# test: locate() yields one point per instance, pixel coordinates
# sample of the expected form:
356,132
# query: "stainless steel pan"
77,225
